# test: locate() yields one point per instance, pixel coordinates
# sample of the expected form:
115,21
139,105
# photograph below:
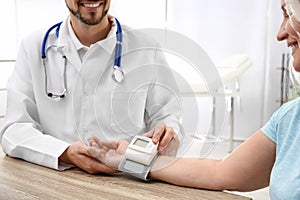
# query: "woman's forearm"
247,168
191,172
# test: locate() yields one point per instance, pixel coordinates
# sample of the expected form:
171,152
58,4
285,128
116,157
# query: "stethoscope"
118,74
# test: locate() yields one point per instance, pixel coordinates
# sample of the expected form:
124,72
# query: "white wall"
139,13
8,46
33,15
8,31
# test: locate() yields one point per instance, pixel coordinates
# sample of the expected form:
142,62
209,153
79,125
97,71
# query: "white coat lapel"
66,47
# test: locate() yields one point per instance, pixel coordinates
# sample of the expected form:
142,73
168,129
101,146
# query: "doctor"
88,76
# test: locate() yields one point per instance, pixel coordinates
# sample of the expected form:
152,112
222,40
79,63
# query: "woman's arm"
247,168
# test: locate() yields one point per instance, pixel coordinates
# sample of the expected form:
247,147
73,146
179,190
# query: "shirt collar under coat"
66,46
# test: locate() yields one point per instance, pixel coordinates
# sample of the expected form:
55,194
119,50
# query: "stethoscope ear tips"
56,96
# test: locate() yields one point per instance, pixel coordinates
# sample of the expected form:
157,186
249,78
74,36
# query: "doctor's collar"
109,42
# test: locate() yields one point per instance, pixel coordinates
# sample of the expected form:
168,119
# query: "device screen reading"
141,143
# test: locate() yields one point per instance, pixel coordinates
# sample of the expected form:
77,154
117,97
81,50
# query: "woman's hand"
108,153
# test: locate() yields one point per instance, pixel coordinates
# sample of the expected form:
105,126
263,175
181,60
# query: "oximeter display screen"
141,143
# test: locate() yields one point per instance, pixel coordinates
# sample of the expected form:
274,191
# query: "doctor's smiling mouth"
91,5
89,12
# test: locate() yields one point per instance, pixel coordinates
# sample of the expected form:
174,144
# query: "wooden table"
23,180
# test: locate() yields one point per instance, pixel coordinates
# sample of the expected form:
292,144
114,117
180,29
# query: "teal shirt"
284,129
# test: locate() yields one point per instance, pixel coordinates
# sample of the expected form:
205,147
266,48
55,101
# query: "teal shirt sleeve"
284,130
269,128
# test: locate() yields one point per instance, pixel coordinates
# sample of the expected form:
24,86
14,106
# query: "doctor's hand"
77,154
108,153
166,137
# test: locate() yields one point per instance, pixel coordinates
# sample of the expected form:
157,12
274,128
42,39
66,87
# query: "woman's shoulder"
290,106
285,111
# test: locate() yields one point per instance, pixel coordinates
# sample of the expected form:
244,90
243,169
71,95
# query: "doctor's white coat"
39,129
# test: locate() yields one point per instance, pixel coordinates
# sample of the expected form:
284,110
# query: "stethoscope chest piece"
118,74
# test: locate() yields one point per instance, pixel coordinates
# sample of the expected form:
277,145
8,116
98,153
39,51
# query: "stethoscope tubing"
117,61
43,50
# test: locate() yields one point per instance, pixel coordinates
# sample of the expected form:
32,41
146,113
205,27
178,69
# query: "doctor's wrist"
64,157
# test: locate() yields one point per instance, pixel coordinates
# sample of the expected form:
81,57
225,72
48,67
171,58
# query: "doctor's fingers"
93,166
169,141
79,156
171,149
156,133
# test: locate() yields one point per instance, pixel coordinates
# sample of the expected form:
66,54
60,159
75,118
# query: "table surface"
23,180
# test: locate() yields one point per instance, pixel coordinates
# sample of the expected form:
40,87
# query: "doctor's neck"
90,34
